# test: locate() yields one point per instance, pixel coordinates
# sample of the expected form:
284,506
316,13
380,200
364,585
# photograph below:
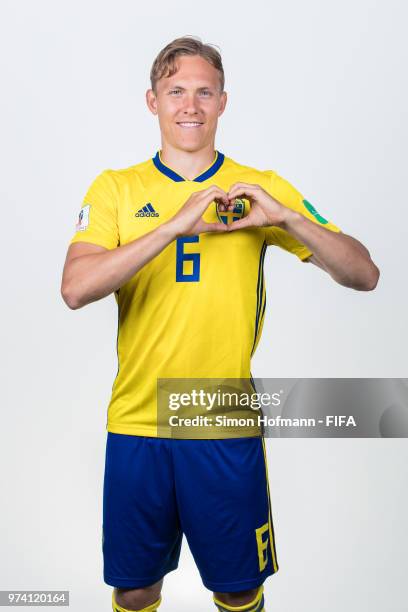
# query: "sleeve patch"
83,219
314,212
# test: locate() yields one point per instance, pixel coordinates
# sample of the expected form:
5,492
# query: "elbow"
370,280
365,280
70,297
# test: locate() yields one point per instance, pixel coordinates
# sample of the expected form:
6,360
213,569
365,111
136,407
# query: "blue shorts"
214,491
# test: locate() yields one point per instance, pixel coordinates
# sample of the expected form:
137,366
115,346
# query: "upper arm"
98,218
284,240
76,250
285,193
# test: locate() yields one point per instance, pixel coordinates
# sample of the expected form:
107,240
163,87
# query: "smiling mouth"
189,124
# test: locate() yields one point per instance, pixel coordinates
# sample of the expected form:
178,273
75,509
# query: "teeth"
189,123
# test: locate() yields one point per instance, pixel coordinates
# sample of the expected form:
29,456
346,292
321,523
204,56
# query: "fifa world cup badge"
83,219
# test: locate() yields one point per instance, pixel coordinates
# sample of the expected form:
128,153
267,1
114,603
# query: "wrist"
168,231
289,219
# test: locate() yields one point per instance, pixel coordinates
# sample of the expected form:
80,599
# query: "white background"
318,92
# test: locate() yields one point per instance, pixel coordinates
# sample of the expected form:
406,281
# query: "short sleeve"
289,196
98,218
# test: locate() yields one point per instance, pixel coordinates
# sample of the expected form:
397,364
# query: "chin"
190,147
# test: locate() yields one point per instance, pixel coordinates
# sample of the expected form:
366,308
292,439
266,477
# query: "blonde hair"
165,64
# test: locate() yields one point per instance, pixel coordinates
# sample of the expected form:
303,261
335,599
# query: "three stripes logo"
147,211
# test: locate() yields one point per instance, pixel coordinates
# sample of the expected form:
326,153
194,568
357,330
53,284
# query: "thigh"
224,508
141,527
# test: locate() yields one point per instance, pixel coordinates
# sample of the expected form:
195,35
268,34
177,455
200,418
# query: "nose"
190,104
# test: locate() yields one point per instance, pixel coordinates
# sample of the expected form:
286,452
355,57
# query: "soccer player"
180,240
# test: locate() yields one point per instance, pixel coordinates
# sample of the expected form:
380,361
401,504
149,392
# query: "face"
188,104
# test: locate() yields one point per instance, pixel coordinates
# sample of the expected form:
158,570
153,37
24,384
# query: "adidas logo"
147,211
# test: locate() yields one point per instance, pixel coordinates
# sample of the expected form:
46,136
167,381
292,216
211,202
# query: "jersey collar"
209,172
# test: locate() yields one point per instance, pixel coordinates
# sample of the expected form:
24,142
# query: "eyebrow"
183,88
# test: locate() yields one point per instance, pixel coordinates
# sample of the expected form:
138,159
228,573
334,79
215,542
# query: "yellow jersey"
196,310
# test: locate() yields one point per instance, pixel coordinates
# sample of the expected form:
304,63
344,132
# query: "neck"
187,163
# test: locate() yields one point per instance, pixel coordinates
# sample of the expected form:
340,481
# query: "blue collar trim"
219,160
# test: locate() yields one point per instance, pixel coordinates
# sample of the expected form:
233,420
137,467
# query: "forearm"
346,260
94,276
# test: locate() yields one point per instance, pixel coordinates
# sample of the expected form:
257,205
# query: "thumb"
213,227
241,223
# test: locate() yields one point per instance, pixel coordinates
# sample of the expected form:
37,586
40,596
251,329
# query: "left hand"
264,211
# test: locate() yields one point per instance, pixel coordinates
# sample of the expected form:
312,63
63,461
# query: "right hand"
188,220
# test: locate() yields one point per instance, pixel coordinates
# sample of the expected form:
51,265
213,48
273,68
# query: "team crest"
229,216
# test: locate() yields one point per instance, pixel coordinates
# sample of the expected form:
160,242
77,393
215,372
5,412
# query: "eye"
175,91
206,93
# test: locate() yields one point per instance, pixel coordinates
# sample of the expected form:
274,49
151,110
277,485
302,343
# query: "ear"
223,103
151,101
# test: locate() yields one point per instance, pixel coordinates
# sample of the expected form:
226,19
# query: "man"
180,239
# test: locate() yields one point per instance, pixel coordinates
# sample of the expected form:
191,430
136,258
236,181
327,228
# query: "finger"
221,205
249,186
231,205
241,223
246,191
215,191
213,227
210,195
